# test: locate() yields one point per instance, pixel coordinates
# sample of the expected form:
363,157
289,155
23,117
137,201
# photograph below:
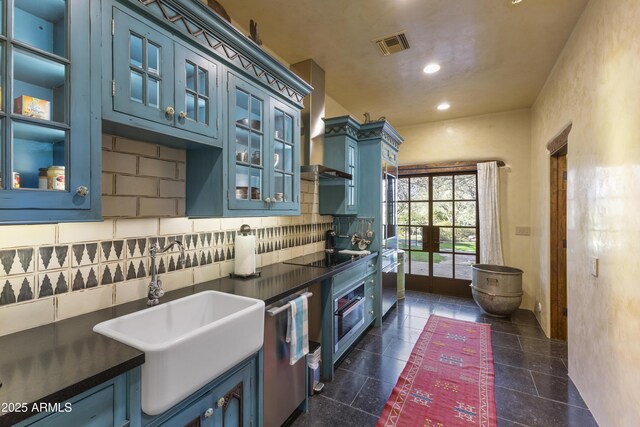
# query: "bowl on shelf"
279,197
242,193
255,193
243,156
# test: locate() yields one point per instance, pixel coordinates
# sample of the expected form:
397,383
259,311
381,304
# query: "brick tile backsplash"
149,183
55,271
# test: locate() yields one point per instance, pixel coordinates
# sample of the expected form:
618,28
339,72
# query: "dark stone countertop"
55,362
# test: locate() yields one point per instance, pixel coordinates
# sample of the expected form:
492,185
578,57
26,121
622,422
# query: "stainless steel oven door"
348,311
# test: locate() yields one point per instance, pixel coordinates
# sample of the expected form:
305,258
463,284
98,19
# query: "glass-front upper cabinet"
158,79
247,137
142,70
46,136
196,92
351,201
264,157
286,157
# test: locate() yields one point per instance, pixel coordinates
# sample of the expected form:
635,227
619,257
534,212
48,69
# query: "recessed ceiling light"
444,106
516,1
432,68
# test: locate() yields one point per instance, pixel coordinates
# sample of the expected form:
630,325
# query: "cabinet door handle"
182,115
371,281
371,312
208,413
372,296
169,111
267,200
82,191
220,402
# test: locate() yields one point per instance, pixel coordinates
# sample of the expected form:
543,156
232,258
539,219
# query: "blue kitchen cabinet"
234,399
360,284
263,155
228,404
48,113
158,84
102,406
340,196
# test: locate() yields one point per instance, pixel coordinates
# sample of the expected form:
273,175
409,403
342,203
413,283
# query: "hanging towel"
298,329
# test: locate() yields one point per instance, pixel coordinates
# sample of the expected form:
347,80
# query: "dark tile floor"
532,385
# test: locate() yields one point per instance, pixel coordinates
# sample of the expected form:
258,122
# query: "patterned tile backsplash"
40,272
52,272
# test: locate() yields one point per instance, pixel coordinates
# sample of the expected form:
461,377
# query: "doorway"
558,253
438,229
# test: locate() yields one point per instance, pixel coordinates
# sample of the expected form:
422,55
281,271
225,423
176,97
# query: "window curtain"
489,208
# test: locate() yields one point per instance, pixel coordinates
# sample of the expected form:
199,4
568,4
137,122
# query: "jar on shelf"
43,180
55,178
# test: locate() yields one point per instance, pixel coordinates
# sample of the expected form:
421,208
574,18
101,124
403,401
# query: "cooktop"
323,260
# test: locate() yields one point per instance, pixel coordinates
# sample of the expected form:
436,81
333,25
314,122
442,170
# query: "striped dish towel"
298,329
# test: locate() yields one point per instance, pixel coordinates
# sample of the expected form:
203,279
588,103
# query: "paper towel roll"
245,262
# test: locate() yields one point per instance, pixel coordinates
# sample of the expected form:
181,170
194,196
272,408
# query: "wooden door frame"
557,147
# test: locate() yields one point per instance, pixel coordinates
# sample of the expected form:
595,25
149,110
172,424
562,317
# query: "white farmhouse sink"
188,342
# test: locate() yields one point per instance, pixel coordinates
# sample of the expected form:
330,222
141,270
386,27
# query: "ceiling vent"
393,43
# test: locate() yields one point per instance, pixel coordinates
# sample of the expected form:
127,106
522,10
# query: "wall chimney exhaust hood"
312,125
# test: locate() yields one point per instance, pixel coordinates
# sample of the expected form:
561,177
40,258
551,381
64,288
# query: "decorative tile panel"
112,250
53,257
17,289
52,283
16,261
85,277
135,248
113,272
84,254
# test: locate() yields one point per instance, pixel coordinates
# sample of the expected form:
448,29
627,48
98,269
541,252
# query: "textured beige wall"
334,109
596,86
502,136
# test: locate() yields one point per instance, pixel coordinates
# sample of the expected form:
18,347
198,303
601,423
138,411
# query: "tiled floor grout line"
547,399
358,393
348,406
520,343
534,382
533,370
514,422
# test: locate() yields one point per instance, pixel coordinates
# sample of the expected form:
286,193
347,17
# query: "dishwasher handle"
284,307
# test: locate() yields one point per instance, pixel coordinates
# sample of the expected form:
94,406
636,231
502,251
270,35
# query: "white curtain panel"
489,207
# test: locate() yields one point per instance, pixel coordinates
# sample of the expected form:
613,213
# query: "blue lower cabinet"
101,406
229,404
232,400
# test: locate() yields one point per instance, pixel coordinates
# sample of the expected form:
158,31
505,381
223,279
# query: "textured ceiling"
494,56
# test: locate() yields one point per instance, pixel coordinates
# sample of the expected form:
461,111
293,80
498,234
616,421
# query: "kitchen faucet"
155,286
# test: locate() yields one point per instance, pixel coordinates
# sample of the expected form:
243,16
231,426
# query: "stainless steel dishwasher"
284,384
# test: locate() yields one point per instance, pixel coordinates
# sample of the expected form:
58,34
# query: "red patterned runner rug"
448,380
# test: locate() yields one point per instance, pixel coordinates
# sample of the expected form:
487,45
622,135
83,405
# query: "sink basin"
188,342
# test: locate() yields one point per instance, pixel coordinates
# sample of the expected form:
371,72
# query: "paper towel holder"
245,230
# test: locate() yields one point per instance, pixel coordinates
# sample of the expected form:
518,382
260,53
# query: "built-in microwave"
348,312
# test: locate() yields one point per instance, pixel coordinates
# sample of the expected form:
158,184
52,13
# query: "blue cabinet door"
235,400
196,92
248,146
102,406
54,129
142,69
200,413
263,151
284,156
